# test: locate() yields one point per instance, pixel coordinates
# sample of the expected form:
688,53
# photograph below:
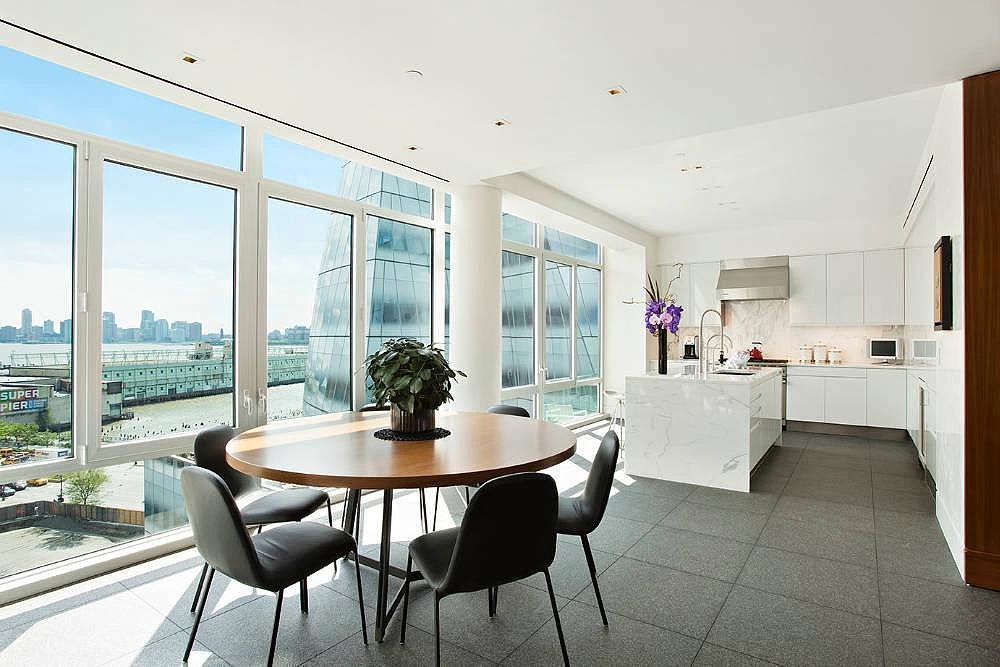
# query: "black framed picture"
942,285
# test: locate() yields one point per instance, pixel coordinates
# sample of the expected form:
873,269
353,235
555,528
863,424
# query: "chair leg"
274,632
437,629
304,596
437,494
555,614
406,598
201,610
593,577
197,591
361,598
260,527
329,511
489,594
494,600
467,497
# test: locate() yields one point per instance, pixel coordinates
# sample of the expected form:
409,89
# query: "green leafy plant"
410,375
86,487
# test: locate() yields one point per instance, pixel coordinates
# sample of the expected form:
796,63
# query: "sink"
734,371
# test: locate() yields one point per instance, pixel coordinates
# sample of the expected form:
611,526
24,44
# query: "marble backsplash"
768,322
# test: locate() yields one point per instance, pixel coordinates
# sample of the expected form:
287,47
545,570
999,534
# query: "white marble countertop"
911,366
758,375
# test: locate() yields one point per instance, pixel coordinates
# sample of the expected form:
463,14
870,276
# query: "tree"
85,488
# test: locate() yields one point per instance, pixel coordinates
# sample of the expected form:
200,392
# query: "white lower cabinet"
850,396
887,398
805,398
846,400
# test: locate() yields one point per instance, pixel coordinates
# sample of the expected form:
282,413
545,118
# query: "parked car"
20,485
6,491
38,481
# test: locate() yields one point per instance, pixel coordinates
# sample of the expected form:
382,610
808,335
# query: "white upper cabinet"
807,289
883,286
704,277
844,285
919,286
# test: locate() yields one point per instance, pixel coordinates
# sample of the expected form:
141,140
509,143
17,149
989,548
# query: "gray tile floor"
835,558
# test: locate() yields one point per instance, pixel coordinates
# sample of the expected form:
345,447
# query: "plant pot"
410,422
664,351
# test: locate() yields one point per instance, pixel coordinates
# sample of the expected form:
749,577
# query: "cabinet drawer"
827,371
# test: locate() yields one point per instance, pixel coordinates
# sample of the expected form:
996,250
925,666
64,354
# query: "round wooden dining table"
341,450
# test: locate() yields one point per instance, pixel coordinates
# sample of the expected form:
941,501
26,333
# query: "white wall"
942,214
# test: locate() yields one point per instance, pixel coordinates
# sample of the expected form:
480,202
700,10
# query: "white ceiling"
691,68
842,167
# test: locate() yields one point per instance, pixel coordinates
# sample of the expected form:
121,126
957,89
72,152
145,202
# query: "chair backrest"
600,480
210,453
508,533
513,410
218,529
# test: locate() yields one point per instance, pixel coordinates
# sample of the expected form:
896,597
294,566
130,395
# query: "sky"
168,242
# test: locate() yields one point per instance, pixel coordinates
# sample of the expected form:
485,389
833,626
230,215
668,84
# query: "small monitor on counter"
883,349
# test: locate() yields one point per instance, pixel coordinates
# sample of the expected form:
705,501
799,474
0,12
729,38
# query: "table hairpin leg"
383,566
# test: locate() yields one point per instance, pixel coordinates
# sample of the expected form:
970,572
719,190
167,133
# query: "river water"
189,414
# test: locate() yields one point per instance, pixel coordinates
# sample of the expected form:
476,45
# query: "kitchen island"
706,429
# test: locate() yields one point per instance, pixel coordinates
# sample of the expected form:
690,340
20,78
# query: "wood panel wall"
981,139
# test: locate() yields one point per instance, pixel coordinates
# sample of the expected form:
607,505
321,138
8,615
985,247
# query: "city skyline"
58,329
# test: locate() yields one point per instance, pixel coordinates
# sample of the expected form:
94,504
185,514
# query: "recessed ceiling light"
697,166
500,122
684,169
414,74
413,148
617,90
189,58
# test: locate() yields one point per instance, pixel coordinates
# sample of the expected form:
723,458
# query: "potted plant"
414,379
663,316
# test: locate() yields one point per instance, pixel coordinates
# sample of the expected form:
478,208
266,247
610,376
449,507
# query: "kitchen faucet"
704,343
723,338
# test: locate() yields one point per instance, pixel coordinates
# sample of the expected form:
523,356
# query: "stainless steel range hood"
753,279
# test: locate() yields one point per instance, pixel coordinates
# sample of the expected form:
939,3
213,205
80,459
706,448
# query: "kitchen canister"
805,354
835,355
819,353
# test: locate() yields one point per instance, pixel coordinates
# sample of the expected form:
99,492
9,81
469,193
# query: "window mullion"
88,345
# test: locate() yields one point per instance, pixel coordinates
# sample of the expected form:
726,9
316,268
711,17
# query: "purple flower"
661,315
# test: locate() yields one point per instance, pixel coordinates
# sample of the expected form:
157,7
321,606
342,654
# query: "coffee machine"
690,347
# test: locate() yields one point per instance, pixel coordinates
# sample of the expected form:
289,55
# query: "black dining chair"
271,561
257,509
500,409
582,515
508,533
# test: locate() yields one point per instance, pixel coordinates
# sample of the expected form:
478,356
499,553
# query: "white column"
475,295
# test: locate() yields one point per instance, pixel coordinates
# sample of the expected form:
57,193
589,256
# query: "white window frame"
536,391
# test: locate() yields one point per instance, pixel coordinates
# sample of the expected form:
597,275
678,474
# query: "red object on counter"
755,352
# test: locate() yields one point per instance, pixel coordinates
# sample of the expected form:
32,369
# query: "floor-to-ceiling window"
167,268
308,310
550,363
